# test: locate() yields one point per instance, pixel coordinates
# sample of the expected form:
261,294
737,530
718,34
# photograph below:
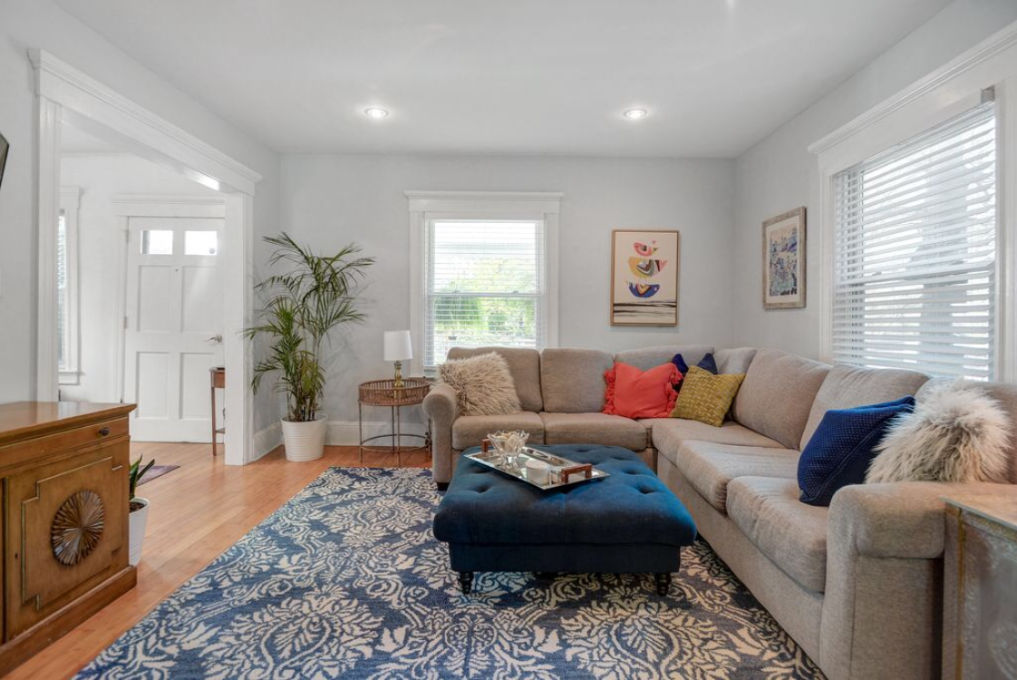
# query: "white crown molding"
62,83
547,202
168,205
988,48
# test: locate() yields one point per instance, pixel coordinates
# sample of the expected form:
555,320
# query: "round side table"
385,393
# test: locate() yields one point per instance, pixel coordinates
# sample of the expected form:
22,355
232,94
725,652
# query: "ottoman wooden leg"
466,581
663,583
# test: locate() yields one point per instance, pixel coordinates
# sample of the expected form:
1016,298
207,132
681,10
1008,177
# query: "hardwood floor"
197,512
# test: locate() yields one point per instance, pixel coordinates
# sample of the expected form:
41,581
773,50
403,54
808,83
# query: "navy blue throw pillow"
841,449
707,363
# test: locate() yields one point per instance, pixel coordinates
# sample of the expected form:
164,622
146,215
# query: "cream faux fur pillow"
483,385
957,433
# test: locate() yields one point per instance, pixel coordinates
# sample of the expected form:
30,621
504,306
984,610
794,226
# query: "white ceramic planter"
304,440
137,521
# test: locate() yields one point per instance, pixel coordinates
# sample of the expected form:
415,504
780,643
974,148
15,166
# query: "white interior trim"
942,94
68,95
428,205
59,81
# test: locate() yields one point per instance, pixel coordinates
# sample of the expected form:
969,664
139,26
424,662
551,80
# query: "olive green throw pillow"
706,397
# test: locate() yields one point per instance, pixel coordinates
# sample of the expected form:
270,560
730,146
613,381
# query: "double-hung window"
487,279
915,253
67,286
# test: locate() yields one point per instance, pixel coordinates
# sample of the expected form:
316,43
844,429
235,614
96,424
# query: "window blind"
915,253
485,285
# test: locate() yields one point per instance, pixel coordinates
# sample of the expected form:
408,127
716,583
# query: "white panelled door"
173,327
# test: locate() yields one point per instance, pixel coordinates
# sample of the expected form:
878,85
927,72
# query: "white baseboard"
265,440
340,433
347,432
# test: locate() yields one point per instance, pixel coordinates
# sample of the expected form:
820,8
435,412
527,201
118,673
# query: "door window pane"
157,242
201,242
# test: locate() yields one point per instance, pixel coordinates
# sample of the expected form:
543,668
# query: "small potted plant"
138,515
302,305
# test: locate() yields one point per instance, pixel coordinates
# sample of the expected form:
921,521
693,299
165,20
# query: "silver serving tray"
514,465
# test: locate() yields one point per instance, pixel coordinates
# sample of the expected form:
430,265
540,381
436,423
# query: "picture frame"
4,147
784,250
645,268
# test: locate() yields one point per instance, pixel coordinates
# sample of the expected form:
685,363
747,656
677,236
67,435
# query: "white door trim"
65,94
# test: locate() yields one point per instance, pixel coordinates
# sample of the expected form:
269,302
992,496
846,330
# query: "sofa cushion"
523,364
669,433
706,397
469,431
710,467
648,357
735,360
572,380
635,393
593,428
777,394
851,386
789,532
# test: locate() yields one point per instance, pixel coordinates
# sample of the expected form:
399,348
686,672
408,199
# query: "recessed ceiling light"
635,114
375,112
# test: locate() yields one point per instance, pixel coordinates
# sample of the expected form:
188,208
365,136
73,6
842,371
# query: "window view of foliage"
484,287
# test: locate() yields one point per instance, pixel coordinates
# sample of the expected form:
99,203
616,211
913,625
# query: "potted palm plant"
137,518
312,296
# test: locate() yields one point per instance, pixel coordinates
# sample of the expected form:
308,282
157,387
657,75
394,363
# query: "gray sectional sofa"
858,585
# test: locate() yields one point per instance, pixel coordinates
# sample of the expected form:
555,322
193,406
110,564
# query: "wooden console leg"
466,581
663,583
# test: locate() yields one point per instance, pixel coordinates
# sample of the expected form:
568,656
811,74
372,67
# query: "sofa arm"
902,519
441,407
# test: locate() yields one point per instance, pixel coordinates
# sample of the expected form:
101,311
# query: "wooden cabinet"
64,534
980,587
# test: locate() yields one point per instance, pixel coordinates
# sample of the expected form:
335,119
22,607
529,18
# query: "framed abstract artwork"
644,277
784,260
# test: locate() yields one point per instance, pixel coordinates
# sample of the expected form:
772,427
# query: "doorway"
67,96
173,329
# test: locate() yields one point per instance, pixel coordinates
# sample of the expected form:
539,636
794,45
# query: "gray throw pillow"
483,385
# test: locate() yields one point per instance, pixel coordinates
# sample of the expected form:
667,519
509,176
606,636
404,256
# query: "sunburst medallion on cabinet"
77,527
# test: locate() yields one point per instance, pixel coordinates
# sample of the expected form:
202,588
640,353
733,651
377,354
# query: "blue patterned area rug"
346,580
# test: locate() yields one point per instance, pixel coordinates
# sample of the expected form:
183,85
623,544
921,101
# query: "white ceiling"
526,76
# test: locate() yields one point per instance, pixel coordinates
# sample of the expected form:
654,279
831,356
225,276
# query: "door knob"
216,339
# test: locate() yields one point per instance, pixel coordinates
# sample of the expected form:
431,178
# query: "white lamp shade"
398,346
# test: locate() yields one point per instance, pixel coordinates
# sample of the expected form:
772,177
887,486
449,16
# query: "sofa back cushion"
648,357
523,364
1006,395
572,380
851,386
734,360
777,394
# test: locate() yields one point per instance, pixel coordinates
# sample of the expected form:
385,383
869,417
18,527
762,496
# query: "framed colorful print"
644,277
784,260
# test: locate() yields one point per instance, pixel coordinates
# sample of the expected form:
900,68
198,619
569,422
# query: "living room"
629,196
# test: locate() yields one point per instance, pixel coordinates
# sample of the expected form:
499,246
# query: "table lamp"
398,348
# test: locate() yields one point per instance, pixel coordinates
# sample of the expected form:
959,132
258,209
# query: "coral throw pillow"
706,397
641,394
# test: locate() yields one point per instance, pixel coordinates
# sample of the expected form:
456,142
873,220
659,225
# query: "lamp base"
398,381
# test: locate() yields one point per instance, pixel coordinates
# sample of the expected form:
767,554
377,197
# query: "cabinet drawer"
30,450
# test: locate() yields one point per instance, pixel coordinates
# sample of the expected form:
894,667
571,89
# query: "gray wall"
779,173
330,200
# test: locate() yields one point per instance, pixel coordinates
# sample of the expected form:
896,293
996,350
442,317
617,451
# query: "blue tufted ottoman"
629,522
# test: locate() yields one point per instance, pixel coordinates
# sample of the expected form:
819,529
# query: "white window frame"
943,94
426,206
70,206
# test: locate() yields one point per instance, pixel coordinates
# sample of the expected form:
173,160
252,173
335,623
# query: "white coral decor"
957,433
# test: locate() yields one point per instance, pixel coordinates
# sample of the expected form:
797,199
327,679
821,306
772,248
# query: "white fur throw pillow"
957,433
483,385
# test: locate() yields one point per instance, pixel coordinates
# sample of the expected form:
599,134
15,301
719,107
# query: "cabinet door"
66,530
